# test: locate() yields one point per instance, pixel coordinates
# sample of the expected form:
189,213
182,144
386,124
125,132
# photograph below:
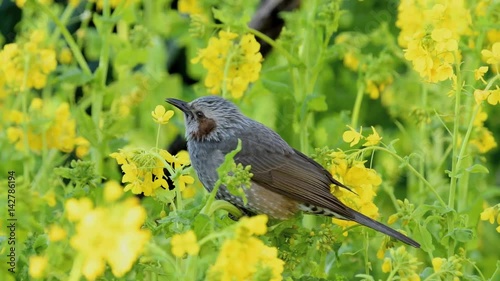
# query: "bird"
284,182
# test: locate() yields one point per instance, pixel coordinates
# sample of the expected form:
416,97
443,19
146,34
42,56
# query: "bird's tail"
366,221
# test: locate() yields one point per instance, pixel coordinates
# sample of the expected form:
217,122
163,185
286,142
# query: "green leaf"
425,238
477,169
165,195
74,75
318,104
462,234
202,225
86,127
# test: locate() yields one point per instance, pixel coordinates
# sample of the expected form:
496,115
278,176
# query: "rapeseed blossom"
232,62
245,257
54,128
363,181
185,243
27,65
430,31
492,214
143,170
403,264
119,241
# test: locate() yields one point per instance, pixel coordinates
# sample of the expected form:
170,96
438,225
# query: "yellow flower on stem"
373,139
56,233
253,225
494,97
387,265
185,243
489,214
231,64
119,241
492,57
479,73
351,136
161,115
179,160
481,95
183,180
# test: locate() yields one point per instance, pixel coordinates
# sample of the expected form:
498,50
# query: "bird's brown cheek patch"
205,126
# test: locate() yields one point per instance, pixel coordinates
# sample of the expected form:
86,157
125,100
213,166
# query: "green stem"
64,20
97,93
158,135
76,270
24,104
411,169
455,161
357,104
291,59
462,194
67,36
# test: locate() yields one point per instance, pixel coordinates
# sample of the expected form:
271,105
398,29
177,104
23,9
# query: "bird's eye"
199,114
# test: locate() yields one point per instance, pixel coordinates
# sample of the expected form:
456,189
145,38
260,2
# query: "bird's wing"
278,167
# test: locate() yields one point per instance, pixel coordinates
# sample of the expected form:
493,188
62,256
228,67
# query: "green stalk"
357,104
24,104
462,193
455,161
97,92
67,36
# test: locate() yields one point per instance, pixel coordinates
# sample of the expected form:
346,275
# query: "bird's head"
209,118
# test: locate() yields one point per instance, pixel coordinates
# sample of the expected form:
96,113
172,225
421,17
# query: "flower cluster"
107,235
46,125
402,263
492,214
363,181
143,170
185,244
245,257
447,269
353,137
232,64
26,66
430,30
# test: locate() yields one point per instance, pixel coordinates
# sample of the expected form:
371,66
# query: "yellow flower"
37,266
77,208
481,95
82,147
56,233
387,265
253,225
363,181
36,104
351,136
393,218
185,244
479,73
243,259
143,171
160,115
494,97
351,61
112,191
231,64
191,7
489,214
484,140
373,139
437,263
179,160
30,60
65,56
493,56
183,180
118,242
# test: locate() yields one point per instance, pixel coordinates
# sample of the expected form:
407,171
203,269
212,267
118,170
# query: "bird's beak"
182,105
